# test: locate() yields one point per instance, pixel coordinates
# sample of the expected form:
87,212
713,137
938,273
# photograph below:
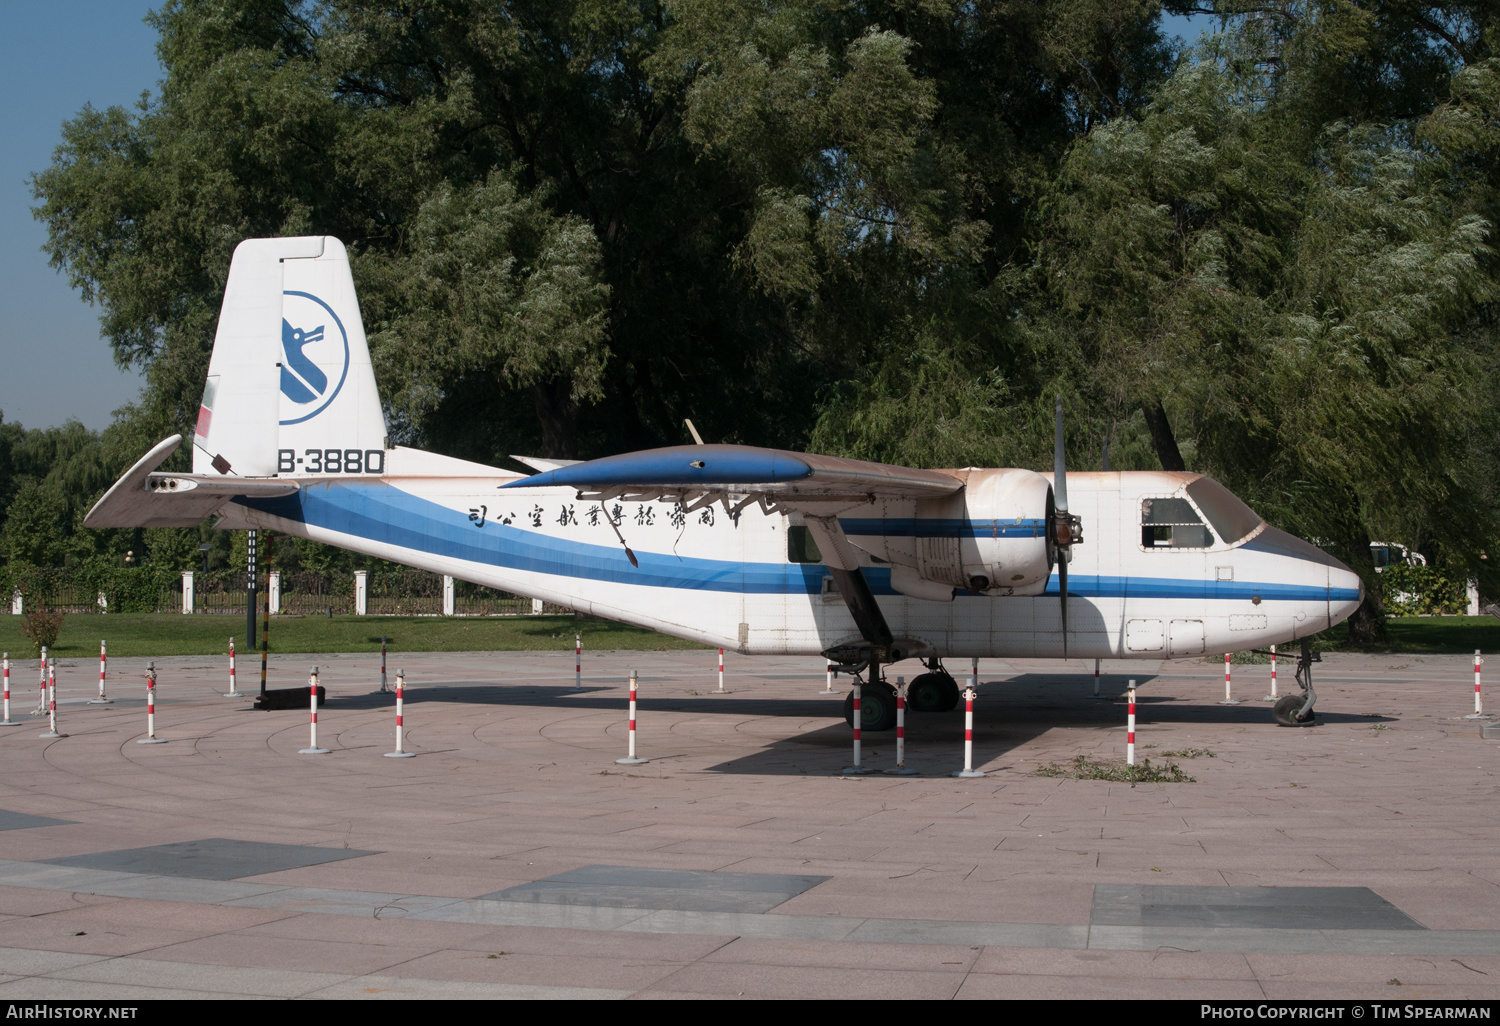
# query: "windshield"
1231,518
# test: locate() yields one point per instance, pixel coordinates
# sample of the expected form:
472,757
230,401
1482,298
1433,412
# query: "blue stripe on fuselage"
943,527
385,514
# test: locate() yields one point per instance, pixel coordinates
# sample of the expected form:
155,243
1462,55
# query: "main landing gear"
1297,710
933,691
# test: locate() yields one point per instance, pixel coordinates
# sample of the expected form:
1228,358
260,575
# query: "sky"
54,58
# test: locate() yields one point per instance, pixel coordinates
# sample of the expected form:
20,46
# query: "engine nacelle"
991,537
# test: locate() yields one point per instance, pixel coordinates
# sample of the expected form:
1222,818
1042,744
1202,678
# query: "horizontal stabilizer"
146,498
539,463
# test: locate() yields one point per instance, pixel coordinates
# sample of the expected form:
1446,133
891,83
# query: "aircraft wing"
819,487
144,498
738,475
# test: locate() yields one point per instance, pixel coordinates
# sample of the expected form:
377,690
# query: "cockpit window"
1231,518
1172,524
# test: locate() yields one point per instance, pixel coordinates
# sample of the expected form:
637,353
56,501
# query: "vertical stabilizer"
290,388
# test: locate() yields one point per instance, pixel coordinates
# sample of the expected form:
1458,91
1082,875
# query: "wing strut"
843,564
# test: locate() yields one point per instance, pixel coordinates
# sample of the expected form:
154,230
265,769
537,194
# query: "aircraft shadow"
1008,714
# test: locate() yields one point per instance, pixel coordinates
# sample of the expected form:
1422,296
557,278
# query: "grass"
1083,768
169,634
1423,635
165,634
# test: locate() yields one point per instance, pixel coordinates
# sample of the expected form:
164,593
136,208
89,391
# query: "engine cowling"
990,538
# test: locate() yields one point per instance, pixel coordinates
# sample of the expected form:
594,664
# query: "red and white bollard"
1096,681
232,693
383,688
103,699
41,702
52,701
721,690
974,672
578,662
1272,696
630,759
1478,712
150,738
856,769
8,722
399,753
901,770
312,687
1228,699
969,770
828,683
1130,726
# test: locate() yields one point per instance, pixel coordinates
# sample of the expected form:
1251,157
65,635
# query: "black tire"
877,708
928,692
1285,712
951,693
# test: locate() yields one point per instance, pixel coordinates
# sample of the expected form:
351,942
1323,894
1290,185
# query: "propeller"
1067,530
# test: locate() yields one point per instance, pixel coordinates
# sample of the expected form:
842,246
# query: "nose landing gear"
1297,710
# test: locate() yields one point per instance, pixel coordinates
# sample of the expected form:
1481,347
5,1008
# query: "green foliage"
41,629
1421,591
893,231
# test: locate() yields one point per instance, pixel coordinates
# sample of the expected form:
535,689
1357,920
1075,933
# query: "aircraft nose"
1345,592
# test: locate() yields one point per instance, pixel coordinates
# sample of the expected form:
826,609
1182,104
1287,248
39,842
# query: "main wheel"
950,693
1285,712
877,708
929,692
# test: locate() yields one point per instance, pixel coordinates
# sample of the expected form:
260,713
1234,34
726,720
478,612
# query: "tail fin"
290,390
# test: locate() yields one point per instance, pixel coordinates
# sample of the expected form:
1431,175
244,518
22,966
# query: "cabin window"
1172,524
800,547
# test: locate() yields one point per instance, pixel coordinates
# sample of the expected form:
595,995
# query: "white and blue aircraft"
762,551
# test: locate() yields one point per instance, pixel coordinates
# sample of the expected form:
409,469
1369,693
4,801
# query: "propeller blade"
1062,591
1059,464
1061,529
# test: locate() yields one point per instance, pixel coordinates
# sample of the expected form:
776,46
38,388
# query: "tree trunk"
1161,434
1367,624
557,414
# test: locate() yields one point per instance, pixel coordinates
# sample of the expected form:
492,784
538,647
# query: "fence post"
361,592
447,595
273,590
187,591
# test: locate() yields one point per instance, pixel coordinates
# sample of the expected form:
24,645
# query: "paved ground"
925,886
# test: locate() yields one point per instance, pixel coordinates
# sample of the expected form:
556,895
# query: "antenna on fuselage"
628,554
697,438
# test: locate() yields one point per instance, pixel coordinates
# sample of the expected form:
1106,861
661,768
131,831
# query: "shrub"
1420,590
41,629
